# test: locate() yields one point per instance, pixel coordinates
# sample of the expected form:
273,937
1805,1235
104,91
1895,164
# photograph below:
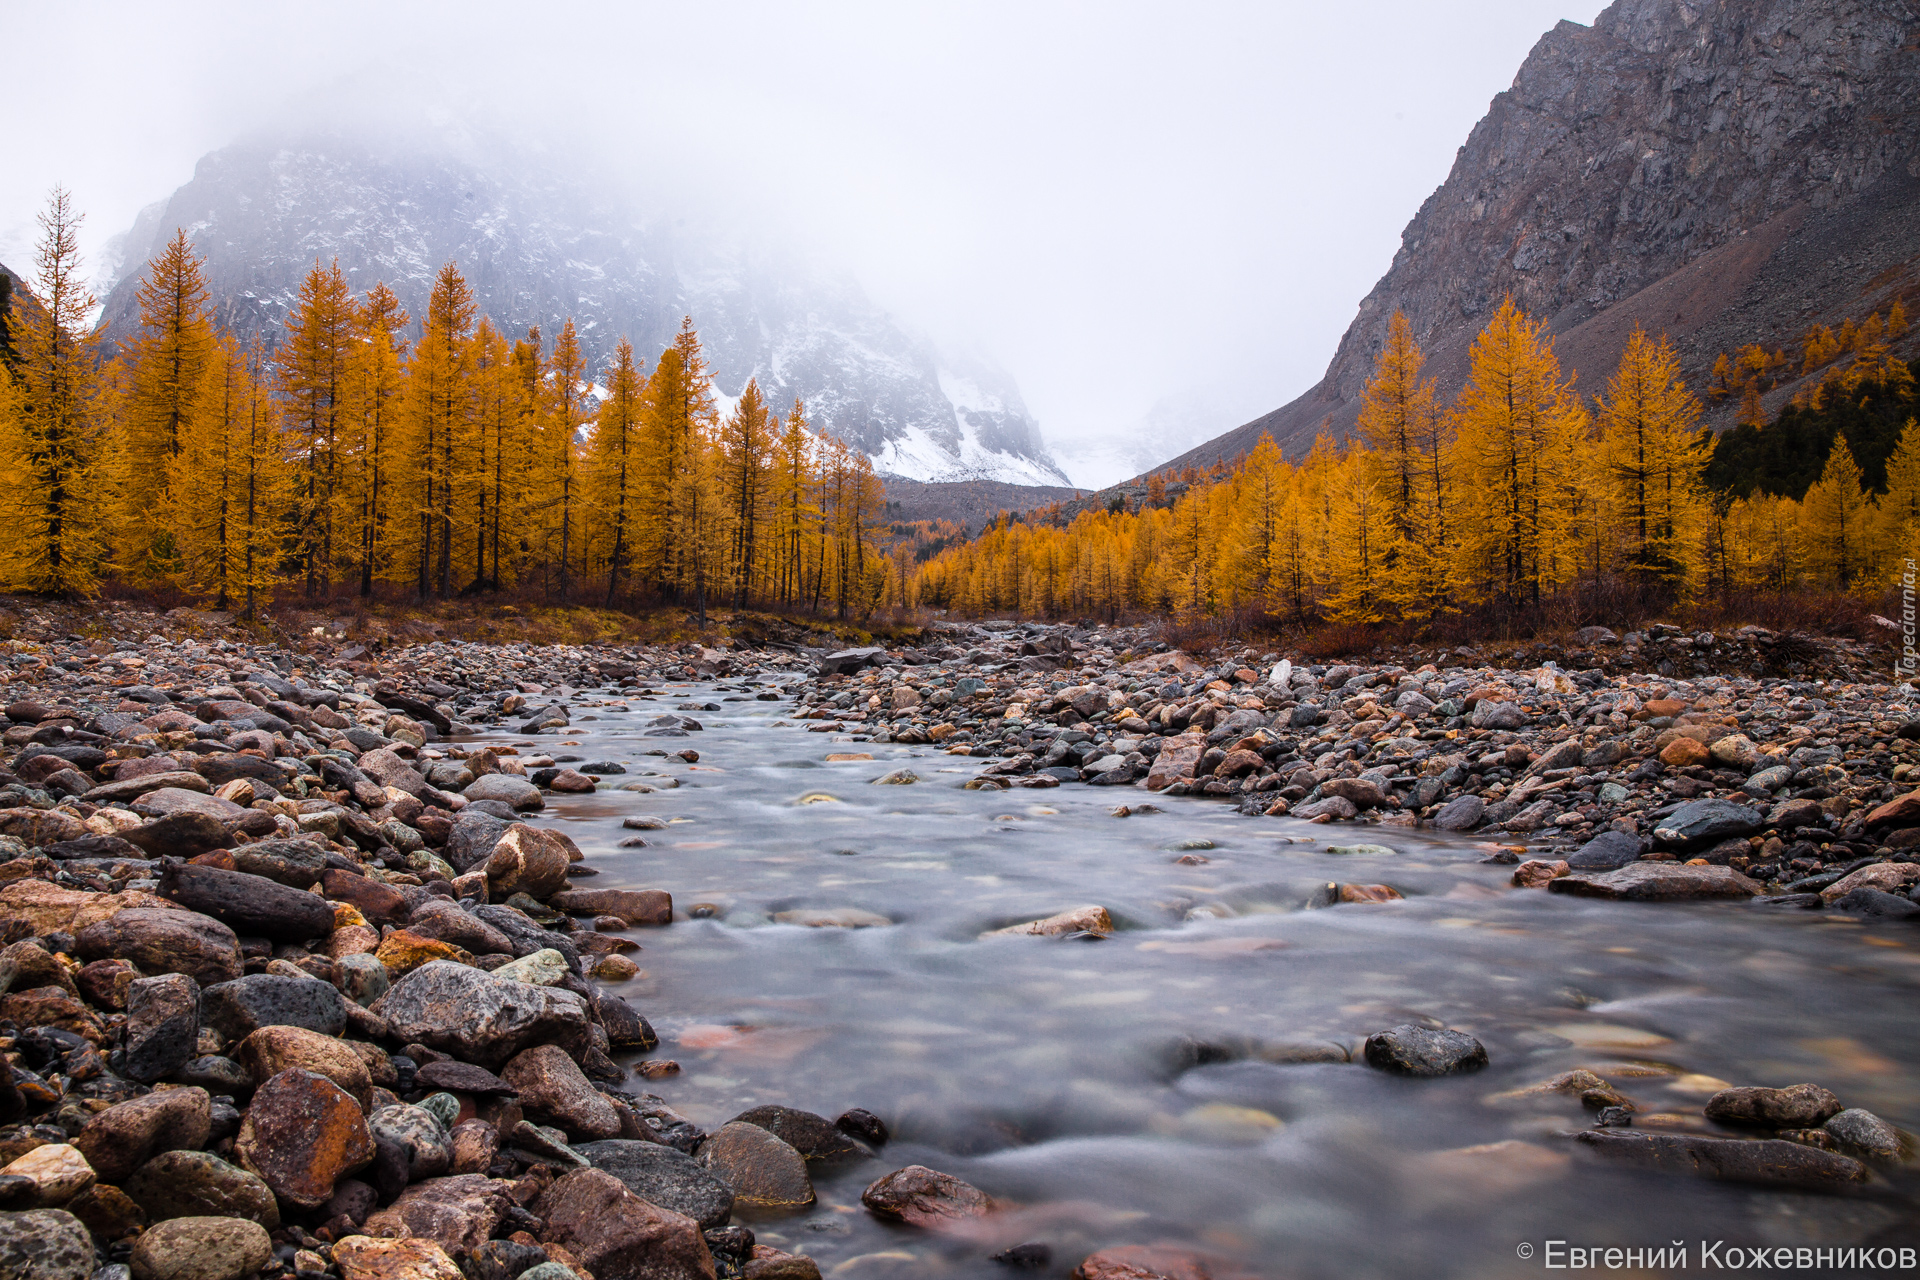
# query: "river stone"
171,800
1875,903
1462,813
123,789
363,979
165,940
439,918
635,906
474,1144
1145,1262
1771,1161
302,1133
238,1008
419,1133
44,1244
365,1258
1498,715
1863,1132
764,1172
1658,882
461,1077
552,1086
128,1134
1608,851
58,1173
1800,1106
1179,756
201,1249
507,788
1408,1050
190,1184
386,767
660,1175
1888,877
923,1197
1704,822
297,864
527,860
815,1137
162,1028
479,1017
544,968
458,1213
528,937
246,903
180,835
267,1052
619,1236
1087,919
379,903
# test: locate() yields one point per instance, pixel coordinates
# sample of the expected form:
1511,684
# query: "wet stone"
1766,1162
201,1249
1408,1050
1800,1106
303,1133
764,1172
619,1236
188,1184
664,1176
923,1197
1862,1133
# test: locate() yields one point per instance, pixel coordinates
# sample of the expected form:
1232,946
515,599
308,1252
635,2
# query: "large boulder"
247,903
663,1176
301,1135
617,1235
527,860
165,940
1800,1106
1658,882
1706,822
44,908
478,1017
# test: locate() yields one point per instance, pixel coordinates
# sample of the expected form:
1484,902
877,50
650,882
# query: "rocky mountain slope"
538,246
1727,171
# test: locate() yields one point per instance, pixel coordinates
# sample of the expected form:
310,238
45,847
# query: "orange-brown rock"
302,1134
270,1050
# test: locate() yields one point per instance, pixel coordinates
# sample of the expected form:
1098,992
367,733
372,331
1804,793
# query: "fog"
1140,213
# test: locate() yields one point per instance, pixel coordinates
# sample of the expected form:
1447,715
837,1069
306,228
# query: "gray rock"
1800,1106
248,904
665,1177
506,788
1704,822
1770,1162
1408,1050
473,836
847,661
238,1008
199,1184
201,1249
44,1244
526,936
1608,851
419,1133
815,1137
1462,813
1877,903
1865,1133
1657,882
478,1017
1498,715
163,1026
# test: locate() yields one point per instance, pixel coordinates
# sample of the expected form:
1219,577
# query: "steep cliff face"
538,246
1684,163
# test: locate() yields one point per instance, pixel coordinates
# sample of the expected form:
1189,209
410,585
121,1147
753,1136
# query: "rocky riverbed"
302,977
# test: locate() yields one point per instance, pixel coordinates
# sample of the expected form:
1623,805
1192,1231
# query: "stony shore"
290,986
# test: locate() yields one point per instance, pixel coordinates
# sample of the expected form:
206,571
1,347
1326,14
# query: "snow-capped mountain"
538,246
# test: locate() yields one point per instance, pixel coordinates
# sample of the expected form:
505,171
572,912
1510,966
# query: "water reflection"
1188,1077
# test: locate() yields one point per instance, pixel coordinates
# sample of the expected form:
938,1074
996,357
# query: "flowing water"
1151,1087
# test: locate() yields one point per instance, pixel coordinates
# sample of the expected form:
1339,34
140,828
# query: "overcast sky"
1121,203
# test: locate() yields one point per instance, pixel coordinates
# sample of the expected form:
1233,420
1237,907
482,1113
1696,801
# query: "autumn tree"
614,469
168,363
371,428
1836,518
1652,455
439,419
313,363
52,439
745,449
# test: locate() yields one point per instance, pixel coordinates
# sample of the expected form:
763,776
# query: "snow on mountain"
537,247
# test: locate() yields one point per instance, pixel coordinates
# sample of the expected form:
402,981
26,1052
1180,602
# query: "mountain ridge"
537,248
1726,171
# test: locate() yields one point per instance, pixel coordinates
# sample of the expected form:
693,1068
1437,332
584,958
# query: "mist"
1159,224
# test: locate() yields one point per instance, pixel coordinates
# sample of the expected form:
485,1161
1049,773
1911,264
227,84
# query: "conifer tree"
614,469
169,361
373,424
233,463
1835,520
1653,456
313,368
439,415
1517,424
745,446
52,436
500,415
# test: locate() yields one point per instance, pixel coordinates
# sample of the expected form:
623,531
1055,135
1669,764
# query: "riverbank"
257,901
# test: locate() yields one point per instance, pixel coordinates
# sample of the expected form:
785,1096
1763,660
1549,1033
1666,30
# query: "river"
1169,1083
